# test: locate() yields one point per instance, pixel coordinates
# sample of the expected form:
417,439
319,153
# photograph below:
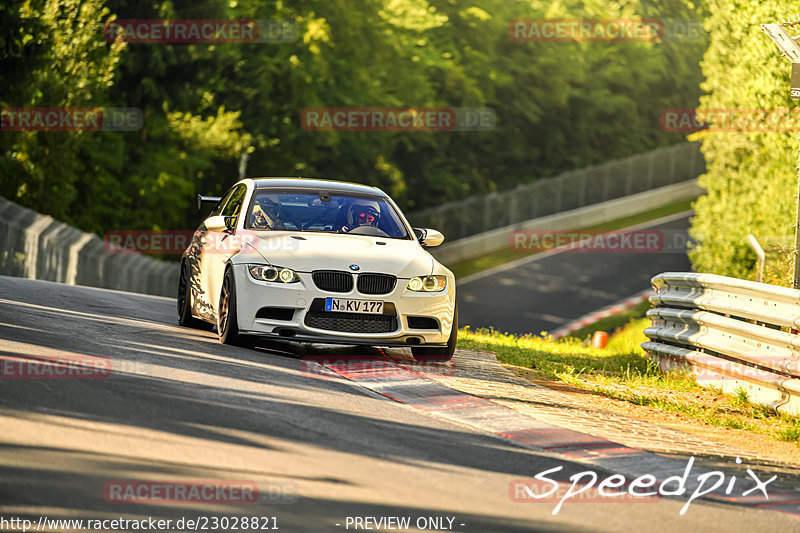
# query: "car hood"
306,252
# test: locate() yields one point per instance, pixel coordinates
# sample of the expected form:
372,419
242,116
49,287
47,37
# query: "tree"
52,58
750,181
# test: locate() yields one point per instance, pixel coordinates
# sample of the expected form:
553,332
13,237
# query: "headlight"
287,276
427,284
273,273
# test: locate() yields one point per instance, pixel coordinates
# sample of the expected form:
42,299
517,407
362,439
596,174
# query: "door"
219,246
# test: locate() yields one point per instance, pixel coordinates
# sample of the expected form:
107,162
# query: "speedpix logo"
617,487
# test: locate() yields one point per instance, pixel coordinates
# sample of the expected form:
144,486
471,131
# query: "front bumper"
304,299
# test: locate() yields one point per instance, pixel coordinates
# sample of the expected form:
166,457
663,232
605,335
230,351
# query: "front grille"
351,322
376,283
333,280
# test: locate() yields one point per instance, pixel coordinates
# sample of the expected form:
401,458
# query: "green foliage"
52,58
559,105
751,181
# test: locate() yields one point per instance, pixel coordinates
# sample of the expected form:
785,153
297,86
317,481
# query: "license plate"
342,305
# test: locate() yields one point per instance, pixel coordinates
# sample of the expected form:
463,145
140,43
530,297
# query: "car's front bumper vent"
376,283
351,322
422,322
276,313
333,280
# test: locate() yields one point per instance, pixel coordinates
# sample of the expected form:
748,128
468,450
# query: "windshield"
324,211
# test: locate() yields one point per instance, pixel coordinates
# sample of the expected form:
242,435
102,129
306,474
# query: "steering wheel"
372,231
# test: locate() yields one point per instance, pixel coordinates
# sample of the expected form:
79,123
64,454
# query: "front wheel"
443,353
227,320
185,317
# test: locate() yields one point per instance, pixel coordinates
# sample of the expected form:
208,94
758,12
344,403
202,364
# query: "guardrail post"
487,210
629,178
796,280
465,216
695,152
650,164
560,192
71,277
761,257
672,166
513,205
32,244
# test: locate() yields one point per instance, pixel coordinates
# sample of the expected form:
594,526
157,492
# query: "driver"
362,213
266,215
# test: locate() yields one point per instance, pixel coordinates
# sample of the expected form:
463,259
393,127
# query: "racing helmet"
363,213
266,213
267,203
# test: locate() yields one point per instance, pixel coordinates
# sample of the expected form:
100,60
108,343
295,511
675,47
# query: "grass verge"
506,255
622,371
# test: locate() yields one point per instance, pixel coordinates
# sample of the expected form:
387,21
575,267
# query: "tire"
439,353
185,317
227,320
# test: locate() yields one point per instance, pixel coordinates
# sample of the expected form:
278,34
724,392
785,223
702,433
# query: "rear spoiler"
206,200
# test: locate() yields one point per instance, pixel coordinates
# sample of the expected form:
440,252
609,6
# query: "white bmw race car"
317,261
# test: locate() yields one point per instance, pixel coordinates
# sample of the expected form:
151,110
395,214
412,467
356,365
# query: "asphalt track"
546,291
179,406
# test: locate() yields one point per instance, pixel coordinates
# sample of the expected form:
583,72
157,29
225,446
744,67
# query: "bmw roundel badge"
355,267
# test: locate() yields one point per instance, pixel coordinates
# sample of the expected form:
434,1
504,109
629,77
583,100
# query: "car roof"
315,183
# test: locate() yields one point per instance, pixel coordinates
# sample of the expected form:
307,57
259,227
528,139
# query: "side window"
218,208
233,206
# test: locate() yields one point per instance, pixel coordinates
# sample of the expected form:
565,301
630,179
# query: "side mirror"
429,237
218,223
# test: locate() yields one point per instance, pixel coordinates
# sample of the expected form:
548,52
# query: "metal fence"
731,334
570,190
36,246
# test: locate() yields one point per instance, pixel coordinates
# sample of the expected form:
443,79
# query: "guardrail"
570,190
36,246
491,241
731,334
